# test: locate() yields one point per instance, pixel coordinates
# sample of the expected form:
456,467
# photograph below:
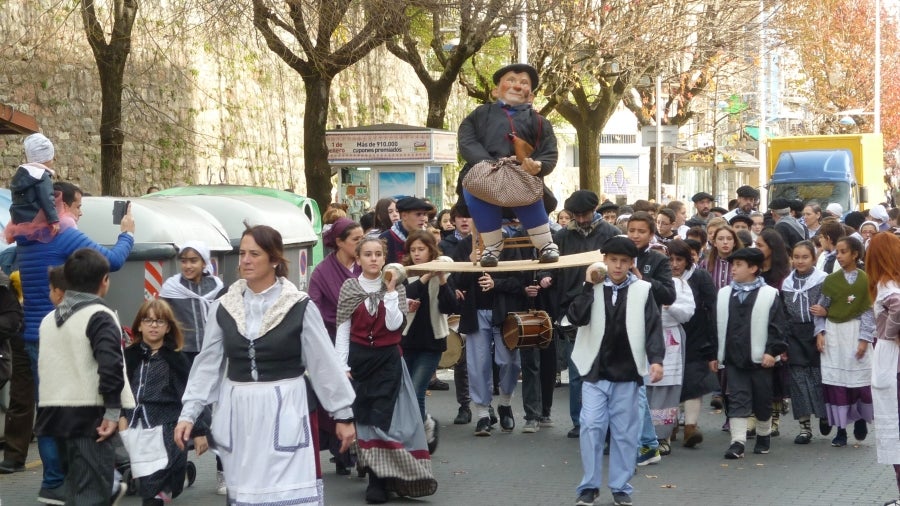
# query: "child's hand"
413,304
106,429
183,433
201,445
820,342
861,349
123,423
54,228
817,310
656,372
768,361
714,366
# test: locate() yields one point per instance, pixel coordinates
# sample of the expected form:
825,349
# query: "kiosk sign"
352,147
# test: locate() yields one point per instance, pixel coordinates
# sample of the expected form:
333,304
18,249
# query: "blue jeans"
574,387
608,405
478,355
53,474
421,365
647,433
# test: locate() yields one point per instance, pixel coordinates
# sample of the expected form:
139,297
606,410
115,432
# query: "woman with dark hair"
776,265
444,223
324,288
845,331
385,216
261,338
158,372
700,340
392,446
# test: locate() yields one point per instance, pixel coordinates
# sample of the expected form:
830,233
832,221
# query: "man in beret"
485,135
747,196
587,231
702,204
413,216
749,340
741,222
789,227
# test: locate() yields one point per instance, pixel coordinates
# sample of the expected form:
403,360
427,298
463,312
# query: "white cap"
38,148
835,209
879,213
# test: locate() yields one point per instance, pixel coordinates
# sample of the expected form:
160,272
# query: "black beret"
608,206
854,219
748,192
720,210
619,245
780,203
752,256
741,217
582,201
413,204
518,67
701,196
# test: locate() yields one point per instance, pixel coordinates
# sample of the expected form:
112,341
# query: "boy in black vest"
82,339
751,329
620,332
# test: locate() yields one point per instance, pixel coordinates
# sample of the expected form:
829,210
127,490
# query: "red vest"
370,330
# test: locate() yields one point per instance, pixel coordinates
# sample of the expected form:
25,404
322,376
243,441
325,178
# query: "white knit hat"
38,148
835,209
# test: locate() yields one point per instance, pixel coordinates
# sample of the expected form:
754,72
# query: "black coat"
700,343
567,283
655,269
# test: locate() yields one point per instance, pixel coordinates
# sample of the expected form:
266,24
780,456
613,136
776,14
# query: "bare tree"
594,52
111,56
319,39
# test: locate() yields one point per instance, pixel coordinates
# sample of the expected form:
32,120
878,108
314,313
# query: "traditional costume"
885,377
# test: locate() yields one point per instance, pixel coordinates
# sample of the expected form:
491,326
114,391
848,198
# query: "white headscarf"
203,250
38,148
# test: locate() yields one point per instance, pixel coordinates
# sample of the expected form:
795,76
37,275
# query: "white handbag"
146,449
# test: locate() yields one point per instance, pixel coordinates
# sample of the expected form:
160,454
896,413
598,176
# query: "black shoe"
824,428
52,495
507,422
574,432
488,259
341,470
493,415
621,499
190,473
483,427
438,385
549,254
803,438
860,430
587,497
840,439
376,493
716,402
464,416
735,451
762,445
9,467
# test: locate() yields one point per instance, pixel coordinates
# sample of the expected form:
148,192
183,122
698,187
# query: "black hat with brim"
748,192
780,203
413,204
518,67
608,206
619,245
752,256
743,218
701,196
582,201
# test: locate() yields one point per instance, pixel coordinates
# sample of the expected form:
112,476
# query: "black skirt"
377,373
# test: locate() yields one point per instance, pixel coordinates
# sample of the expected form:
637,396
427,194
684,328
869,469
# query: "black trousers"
20,413
89,468
749,392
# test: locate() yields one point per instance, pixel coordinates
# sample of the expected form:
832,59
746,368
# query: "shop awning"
753,132
13,122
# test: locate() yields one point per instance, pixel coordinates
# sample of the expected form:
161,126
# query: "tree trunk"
315,150
589,158
651,191
438,97
111,133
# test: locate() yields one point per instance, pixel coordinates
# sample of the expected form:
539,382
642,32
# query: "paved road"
544,468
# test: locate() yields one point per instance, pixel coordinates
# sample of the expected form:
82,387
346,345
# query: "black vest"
277,353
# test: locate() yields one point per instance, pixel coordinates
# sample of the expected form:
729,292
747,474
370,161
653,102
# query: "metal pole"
877,120
658,188
522,48
763,166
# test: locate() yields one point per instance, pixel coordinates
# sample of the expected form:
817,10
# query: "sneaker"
647,456
221,488
762,445
507,422
493,415
664,448
840,439
574,432
531,426
621,499
860,430
123,489
587,497
483,427
716,402
824,428
895,502
735,451
463,416
786,407
52,495
431,433
438,385
545,421
9,467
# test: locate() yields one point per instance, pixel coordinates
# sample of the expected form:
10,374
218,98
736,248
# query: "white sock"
540,236
482,411
493,241
738,430
504,399
764,428
691,411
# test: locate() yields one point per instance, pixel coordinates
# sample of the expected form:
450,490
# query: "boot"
692,436
376,492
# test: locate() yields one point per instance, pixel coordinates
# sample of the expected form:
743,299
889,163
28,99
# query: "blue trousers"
574,387
478,361
647,432
421,365
614,406
488,217
47,447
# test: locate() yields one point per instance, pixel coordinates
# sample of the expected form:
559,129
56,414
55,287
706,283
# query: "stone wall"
205,101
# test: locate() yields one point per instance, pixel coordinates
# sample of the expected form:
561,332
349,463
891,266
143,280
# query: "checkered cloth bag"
503,183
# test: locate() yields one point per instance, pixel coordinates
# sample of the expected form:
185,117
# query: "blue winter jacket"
35,258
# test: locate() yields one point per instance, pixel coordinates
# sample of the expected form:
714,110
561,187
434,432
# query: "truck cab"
824,176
